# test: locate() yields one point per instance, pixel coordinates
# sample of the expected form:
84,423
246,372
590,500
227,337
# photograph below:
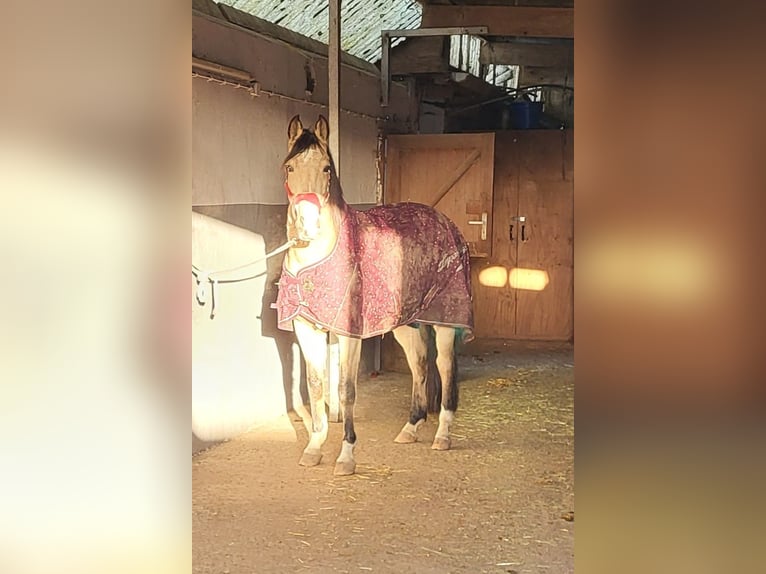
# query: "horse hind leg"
313,343
413,341
350,352
446,363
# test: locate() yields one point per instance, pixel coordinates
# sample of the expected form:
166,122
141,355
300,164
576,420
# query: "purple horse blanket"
392,265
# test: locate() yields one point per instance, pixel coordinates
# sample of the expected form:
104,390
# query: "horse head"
310,179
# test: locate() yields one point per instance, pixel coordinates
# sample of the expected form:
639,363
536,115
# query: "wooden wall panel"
452,172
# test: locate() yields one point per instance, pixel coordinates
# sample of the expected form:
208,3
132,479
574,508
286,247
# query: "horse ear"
294,130
322,129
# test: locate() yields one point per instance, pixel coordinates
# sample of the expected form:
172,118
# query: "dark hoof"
441,443
344,468
310,458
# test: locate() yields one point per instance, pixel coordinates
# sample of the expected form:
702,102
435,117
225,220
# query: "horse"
401,268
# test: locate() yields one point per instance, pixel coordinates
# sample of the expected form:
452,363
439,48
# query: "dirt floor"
502,500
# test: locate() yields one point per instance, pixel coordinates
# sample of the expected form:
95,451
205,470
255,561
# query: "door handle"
483,223
511,232
523,220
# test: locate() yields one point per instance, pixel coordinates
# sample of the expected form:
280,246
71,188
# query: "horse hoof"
406,437
344,468
441,443
310,458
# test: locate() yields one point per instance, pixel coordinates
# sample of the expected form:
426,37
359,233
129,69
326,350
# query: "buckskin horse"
357,274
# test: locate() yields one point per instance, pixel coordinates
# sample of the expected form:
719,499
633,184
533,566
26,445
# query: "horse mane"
308,140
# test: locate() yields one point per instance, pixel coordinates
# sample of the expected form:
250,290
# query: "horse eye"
326,169
290,169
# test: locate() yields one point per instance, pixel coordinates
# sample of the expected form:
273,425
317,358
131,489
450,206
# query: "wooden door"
451,172
524,290
543,277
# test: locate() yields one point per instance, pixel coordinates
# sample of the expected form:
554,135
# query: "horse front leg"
350,350
313,343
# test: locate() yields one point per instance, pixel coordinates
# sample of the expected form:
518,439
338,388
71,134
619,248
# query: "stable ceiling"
529,42
361,20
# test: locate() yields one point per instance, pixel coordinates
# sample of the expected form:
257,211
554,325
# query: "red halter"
310,197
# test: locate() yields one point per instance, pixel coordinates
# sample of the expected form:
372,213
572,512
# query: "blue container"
525,115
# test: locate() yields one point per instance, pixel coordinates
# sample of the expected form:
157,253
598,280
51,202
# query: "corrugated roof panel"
361,20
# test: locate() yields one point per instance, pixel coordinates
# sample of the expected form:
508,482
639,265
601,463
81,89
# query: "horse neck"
330,220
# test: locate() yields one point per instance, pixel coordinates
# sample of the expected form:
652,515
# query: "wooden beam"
333,73
530,21
420,56
517,54
532,75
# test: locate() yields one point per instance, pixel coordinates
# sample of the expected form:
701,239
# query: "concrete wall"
239,140
237,370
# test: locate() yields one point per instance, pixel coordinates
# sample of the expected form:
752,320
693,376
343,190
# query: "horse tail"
433,378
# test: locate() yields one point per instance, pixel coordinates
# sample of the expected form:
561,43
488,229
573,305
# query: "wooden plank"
419,56
440,141
531,21
533,75
518,54
456,175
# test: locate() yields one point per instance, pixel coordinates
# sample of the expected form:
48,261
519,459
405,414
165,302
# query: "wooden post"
333,77
333,72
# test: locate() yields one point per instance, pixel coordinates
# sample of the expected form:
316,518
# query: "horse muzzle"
307,222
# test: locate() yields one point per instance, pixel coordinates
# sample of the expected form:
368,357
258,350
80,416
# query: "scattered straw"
433,551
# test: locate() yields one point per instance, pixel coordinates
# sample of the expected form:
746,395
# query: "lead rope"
204,277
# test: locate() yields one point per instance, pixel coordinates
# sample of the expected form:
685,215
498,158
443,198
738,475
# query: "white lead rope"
205,277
